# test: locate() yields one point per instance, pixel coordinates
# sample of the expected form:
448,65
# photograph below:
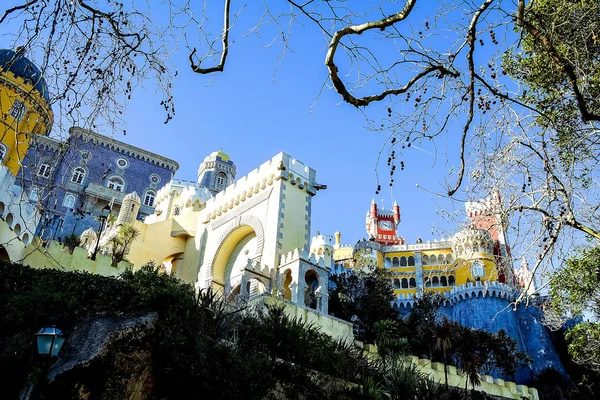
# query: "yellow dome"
216,154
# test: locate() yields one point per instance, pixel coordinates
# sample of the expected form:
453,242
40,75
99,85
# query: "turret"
129,209
322,247
216,172
525,279
338,239
396,211
25,107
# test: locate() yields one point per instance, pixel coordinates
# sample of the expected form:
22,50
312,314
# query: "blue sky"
253,112
253,116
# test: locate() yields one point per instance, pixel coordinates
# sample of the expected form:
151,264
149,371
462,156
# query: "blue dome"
23,68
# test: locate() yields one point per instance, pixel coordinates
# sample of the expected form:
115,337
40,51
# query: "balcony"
105,193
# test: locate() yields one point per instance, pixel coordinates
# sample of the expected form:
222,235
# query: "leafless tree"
425,75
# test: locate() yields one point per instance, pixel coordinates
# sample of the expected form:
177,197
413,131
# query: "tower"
25,105
488,214
216,172
381,224
129,209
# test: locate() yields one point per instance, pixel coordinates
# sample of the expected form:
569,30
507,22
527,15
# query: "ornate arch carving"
239,222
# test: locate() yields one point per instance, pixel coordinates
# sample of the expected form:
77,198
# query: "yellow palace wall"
16,135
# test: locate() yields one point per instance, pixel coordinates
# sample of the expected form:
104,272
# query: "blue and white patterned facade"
72,181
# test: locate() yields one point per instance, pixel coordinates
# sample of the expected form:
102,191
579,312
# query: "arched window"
149,198
387,262
440,259
10,219
427,282
477,269
425,259
451,280
78,175
396,283
412,283
44,170
449,259
444,281
435,282
3,151
403,261
404,283
221,180
395,262
116,183
69,201
411,261
310,295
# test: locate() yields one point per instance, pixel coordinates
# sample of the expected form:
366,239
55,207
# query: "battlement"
468,291
301,255
322,240
279,167
457,378
254,266
484,207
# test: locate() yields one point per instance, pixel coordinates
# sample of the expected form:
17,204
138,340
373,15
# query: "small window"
221,178
177,210
78,175
69,201
122,163
44,170
412,283
149,199
3,151
404,283
154,178
411,261
18,109
403,261
477,269
116,183
395,262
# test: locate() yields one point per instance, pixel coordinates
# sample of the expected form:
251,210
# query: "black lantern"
49,341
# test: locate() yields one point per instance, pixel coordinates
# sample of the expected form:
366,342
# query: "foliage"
559,62
201,348
475,351
71,241
120,243
364,298
575,290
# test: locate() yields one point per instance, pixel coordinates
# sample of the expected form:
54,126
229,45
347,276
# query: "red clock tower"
381,224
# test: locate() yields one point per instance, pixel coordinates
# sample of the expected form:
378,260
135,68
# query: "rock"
105,358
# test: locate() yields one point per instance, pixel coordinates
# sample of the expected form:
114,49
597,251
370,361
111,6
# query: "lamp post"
103,215
49,341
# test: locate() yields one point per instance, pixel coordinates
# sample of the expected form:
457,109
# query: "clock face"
386,225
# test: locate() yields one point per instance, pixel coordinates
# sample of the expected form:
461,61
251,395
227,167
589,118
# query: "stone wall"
490,307
56,256
456,378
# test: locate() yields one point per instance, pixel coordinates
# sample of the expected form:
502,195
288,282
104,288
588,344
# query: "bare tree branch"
225,41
